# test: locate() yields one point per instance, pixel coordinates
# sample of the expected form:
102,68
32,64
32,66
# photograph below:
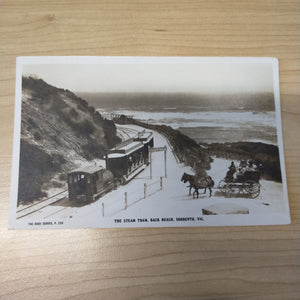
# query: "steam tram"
89,183
123,163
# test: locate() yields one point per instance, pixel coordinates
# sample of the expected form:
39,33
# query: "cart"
244,185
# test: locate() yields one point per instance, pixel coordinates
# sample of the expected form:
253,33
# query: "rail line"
126,133
123,135
55,212
37,206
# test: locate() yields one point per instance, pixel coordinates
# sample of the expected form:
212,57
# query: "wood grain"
169,263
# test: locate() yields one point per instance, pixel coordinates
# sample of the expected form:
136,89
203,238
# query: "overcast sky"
199,77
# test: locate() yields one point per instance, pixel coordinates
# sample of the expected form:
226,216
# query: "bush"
93,149
36,168
32,123
62,177
37,136
57,184
84,128
56,138
73,113
91,110
82,105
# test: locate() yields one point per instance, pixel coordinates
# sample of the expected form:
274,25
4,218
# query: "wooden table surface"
169,263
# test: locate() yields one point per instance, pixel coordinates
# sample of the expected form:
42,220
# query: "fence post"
165,158
102,209
150,165
145,190
161,183
125,194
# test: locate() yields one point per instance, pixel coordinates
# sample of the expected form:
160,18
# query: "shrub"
84,128
57,184
91,110
37,136
62,177
36,168
73,113
32,123
93,149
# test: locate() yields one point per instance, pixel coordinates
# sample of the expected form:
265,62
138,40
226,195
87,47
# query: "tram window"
70,179
82,176
88,179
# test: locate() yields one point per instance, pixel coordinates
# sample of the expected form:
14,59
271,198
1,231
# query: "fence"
132,198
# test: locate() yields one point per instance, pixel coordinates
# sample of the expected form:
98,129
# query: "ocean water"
211,126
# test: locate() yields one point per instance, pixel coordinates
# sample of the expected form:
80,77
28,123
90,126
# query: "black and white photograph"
104,142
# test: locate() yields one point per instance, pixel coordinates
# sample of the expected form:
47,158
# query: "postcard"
106,142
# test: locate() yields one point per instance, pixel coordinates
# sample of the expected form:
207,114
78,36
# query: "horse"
198,182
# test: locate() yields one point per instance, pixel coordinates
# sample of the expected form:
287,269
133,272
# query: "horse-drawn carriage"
243,184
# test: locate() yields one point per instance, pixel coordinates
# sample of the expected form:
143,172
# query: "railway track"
126,133
28,210
55,212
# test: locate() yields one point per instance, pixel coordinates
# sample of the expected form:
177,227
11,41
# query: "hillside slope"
59,131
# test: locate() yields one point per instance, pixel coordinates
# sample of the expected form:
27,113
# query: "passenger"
231,171
250,167
232,168
243,164
239,173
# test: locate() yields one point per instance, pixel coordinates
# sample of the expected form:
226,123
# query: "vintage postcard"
104,142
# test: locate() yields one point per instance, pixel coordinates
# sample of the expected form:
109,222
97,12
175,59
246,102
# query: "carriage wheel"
222,186
252,188
232,190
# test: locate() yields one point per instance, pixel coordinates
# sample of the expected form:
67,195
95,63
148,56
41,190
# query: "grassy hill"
59,131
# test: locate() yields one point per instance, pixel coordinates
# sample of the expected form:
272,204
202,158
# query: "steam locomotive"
123,163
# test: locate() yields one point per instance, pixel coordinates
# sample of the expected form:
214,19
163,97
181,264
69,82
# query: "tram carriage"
130,157
146,138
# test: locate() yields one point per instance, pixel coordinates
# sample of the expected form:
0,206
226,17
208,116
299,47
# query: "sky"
199,77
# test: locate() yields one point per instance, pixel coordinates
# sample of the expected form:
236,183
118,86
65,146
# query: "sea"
208,126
